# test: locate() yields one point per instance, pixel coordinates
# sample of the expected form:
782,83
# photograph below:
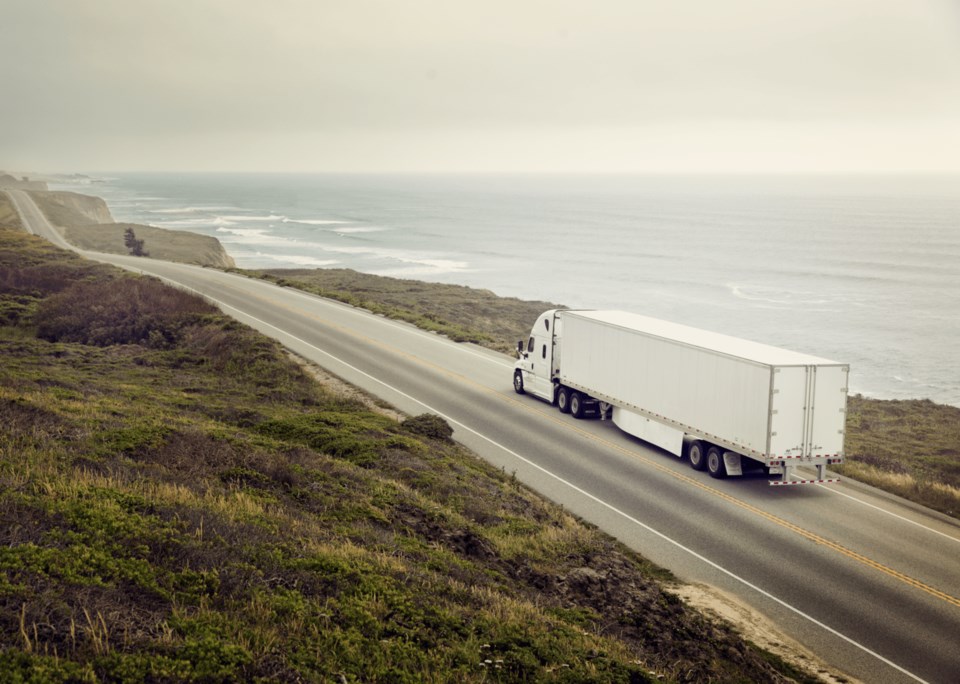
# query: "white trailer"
713,398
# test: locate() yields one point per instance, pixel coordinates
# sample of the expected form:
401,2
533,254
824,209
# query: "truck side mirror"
520,349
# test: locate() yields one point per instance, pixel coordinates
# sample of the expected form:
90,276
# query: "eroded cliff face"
68,209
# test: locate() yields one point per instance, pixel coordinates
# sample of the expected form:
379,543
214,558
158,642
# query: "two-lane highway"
864,580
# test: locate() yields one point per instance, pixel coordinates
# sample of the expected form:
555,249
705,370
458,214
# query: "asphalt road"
868,582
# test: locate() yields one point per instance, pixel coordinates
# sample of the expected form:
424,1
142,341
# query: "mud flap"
731,461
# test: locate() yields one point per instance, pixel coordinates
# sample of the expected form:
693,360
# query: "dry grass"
907,447
935,495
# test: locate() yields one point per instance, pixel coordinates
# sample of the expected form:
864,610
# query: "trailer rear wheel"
518,382
697,454
563,399
576,405
715,464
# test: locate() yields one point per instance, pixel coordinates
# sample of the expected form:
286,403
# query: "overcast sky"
484,85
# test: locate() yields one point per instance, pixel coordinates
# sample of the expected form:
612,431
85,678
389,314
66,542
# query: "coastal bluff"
85,221
8,180
70,209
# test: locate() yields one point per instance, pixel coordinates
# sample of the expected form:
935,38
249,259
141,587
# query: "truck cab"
538,358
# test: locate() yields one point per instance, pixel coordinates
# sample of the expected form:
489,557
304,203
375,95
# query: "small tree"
133,244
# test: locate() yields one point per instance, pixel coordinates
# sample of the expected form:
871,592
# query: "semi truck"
726,404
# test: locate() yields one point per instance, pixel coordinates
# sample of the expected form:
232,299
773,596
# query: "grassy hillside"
71,208
159,243
8,215
180,501
910,448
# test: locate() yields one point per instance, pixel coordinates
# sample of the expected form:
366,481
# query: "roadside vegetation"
180,501
463,314
8,215
909,448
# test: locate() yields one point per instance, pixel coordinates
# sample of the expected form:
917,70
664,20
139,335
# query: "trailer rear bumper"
785,466
782,483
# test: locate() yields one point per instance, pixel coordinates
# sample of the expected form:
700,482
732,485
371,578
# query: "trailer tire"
518,382
563,399
697,453
715,464
576,405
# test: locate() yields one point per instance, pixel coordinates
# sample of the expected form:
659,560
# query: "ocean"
860,269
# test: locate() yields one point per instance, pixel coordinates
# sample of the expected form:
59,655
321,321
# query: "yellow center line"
525,406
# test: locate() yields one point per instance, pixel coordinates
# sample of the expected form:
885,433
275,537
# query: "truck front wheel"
715,464
518,382
563,399
697,454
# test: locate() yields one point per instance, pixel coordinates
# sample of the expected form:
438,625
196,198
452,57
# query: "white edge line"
577,489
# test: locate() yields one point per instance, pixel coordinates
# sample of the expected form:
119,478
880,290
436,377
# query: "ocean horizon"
864,270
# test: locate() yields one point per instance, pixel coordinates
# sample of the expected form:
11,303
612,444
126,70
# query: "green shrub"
429,425
18,666
141,311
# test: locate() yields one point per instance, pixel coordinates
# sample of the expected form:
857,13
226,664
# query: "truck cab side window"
530,345
544,353
546,323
